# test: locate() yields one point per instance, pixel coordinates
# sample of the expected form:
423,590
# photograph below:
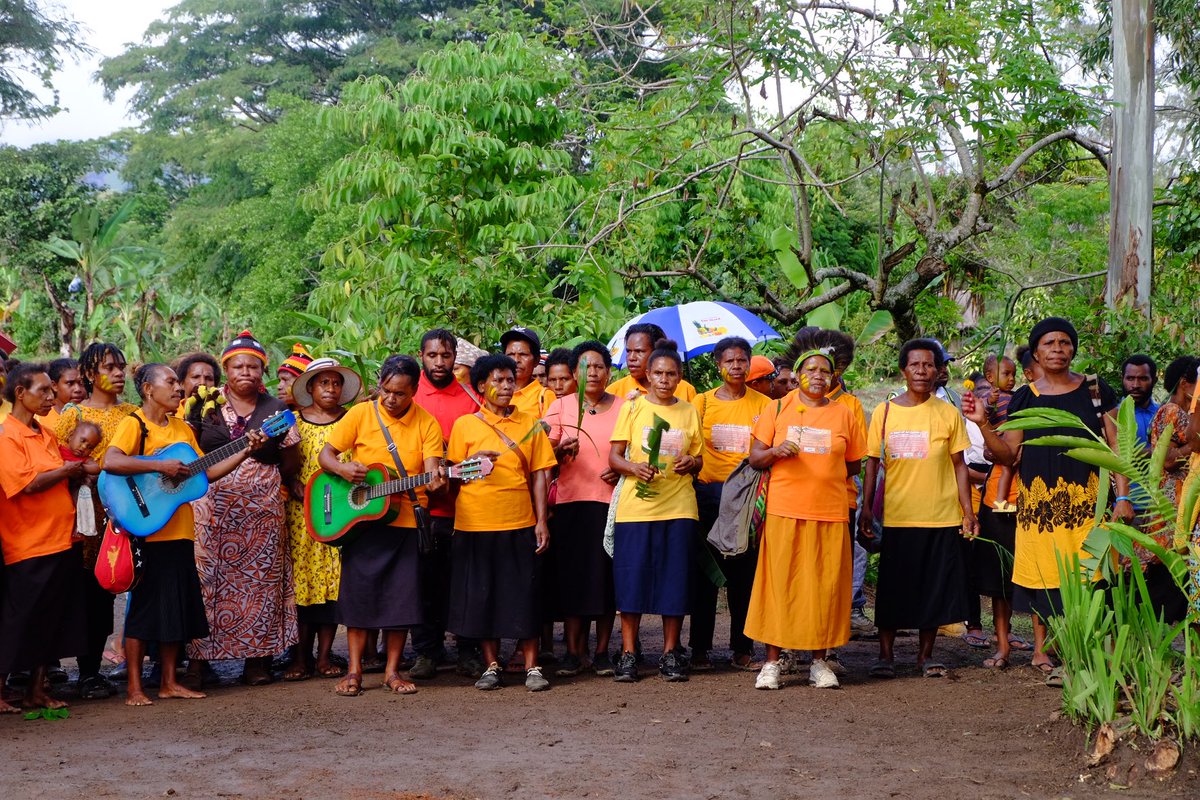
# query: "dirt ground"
977,733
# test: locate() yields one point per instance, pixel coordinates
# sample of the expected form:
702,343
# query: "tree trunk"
66,322
1131,176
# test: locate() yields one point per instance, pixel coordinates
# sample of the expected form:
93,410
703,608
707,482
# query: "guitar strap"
391,447
509,443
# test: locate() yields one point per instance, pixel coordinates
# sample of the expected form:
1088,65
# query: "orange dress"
802,587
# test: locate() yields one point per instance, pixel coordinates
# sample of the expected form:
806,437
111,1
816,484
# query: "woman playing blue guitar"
166,605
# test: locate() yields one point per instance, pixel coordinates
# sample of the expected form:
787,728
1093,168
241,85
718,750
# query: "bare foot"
138,699
179,691
5,708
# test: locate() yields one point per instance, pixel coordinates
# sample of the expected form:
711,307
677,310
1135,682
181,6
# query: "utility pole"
1131,171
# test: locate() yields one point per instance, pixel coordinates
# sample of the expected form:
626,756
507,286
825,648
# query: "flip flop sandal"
1055,679
1046,668
999,663
977,640
294,675
353,687
934,669
255,678
398,685
750,664
885,670
373,664
1017,643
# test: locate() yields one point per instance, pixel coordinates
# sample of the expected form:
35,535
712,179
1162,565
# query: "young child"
81,443
84,439
1001,373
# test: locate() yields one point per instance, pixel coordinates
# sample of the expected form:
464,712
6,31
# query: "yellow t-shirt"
622,387
127,438
921,489
534,399
676,498
417,436
727,427
501,501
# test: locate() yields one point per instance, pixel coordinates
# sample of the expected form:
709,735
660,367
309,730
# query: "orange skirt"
801,595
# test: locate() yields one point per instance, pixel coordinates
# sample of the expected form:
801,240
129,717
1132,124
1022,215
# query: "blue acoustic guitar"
142,504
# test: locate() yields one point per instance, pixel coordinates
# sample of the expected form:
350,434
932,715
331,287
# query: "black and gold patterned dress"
1056,503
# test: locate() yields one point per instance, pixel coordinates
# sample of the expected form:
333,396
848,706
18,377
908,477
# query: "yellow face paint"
104,383
491,393
725,374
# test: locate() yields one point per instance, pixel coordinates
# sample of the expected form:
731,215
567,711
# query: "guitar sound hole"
170,485
357,498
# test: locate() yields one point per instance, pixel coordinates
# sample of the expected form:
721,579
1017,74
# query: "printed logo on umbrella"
710,328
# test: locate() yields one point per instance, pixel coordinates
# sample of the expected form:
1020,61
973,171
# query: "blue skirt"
651,566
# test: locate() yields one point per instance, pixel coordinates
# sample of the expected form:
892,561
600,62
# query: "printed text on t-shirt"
909,445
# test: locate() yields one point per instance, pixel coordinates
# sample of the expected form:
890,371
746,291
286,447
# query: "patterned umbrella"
697,327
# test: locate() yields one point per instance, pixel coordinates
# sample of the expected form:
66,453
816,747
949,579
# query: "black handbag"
426,539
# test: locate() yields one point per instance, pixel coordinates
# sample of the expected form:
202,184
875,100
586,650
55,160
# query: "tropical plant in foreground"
1122,663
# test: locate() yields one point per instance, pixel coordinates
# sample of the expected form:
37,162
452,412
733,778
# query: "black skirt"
581,582
380,585
166,604
41,612
991,564
922,578
495,585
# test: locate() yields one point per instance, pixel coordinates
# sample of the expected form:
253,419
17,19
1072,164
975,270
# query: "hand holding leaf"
651,448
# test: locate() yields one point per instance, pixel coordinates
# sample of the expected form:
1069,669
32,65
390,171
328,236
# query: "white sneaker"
768,676
820,676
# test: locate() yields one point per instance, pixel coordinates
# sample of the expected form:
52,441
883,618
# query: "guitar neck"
217,456
398,485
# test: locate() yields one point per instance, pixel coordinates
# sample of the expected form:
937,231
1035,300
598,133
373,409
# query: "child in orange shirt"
1001,373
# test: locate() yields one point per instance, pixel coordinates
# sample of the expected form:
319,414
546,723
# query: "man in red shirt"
446,399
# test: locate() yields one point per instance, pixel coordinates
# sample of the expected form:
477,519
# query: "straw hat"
351,383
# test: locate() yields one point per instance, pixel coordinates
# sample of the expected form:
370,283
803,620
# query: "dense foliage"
352,173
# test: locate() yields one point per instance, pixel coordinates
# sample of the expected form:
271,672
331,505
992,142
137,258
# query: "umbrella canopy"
697,327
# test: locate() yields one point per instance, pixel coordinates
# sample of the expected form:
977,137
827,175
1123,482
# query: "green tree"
34,39
41,187
458,173
215,62
827,100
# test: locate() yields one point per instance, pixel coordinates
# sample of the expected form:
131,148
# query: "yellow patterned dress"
316,567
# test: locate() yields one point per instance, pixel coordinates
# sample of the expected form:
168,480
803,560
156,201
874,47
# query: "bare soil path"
978,734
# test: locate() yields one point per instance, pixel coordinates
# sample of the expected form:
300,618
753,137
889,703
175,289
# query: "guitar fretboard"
398,485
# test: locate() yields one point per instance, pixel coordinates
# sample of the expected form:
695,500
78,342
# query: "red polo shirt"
446,405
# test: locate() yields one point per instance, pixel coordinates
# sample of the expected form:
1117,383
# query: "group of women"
597,503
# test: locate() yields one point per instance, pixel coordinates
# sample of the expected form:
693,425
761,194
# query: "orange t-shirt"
38,524
728,426
810,486
534,399
840,395
417,435
501,501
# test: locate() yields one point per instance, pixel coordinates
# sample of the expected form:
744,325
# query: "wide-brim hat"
351,383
